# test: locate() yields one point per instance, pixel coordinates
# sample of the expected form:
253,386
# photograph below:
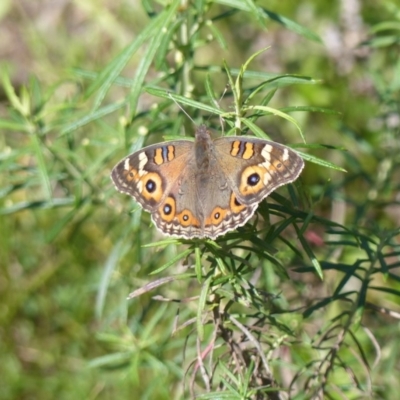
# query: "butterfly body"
207,187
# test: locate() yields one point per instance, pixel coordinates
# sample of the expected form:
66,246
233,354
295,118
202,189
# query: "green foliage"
303,300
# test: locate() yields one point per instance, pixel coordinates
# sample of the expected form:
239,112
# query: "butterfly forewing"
257,167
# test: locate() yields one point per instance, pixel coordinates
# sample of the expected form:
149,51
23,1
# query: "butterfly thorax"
203,148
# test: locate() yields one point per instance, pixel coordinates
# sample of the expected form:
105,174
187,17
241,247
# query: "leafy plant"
299,303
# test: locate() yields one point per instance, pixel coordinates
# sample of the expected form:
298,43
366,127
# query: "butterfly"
207,187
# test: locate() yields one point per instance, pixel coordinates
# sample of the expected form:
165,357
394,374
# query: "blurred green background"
71,251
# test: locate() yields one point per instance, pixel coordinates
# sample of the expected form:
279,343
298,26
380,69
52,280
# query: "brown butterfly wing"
257,167
149,174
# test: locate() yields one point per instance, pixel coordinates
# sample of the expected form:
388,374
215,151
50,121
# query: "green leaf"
107,77
201,306
173,261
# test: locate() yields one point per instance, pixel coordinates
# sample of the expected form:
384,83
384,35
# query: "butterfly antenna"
218,105
181,108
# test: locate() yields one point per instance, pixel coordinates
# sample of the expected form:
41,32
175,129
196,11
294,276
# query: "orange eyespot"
252,180
167,209
186,218
217,215
151,188
131,174
235,206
